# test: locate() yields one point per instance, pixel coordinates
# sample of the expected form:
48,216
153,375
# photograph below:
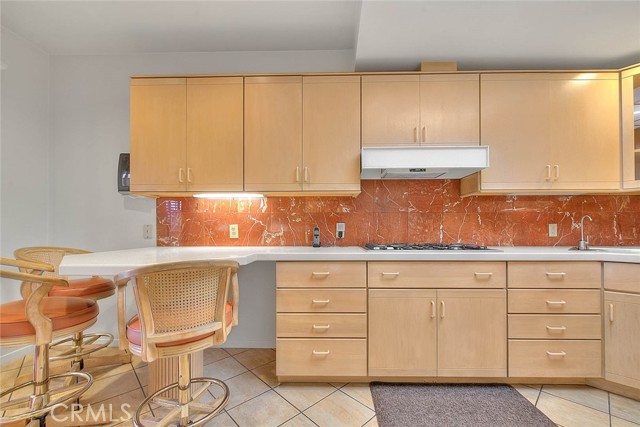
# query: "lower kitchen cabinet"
622,323
437,332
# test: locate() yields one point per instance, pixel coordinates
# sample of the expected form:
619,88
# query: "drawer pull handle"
552,303
321,301
321,273
323,327
321,353
481,274
394,274
556,328
552,275
558,354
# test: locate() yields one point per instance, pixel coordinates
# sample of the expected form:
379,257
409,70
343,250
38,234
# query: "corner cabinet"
415,330
186,134
549,133
630,102
622,323
302,134
420,109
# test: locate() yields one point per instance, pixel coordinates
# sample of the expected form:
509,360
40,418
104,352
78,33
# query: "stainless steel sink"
609,250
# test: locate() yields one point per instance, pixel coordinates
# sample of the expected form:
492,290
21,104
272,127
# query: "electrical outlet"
147,231
340,230
233,231
553,230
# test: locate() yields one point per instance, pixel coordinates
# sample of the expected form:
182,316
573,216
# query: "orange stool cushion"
134,335
84,288
64,312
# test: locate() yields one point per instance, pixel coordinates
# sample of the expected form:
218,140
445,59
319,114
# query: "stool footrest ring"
87,339
195,407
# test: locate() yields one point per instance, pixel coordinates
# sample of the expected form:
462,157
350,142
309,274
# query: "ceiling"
382,35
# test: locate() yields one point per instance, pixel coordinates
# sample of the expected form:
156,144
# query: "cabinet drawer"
311,357
554,301
299,325
437,275
555,326
556,358
622,277
555,275
321,300
321,274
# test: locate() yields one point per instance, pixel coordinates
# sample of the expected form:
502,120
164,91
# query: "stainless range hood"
424,162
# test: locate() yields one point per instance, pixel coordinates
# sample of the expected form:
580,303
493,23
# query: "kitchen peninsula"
540,311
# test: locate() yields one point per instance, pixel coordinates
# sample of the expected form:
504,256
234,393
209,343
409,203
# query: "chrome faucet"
583,245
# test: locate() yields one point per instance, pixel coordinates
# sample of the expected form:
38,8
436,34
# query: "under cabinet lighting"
229,196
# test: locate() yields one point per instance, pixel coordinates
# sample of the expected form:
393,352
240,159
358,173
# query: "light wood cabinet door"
450,109
331,133
273,133
515,124
622,340
390,110
472,333
402,332
585,131
215,134
158,134
629,98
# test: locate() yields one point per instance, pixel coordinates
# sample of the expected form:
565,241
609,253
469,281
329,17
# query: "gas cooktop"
424,247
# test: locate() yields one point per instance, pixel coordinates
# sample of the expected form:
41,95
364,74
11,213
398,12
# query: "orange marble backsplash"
400,211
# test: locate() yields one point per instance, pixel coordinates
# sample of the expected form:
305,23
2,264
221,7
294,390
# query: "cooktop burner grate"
424,247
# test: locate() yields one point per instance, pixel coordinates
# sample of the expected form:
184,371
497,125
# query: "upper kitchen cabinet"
302,143
331,133
214,134
273,133
186,134
549,133
420,109
158,134
630,100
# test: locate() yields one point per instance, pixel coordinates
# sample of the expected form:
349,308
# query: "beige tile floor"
258,400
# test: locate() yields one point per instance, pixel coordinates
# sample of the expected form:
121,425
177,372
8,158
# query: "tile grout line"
348,395
572,401
609,403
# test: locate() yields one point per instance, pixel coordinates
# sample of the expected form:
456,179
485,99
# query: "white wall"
24,151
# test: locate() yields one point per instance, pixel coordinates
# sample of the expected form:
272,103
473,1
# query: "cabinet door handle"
611,313
556,328
483,274
322,327
433,309
321,301
552,303
386,273
306,174
180,175
442,307
415,134
297,173
548,176
321,353
424,134
320,273
556,170
557,354
188,174
552,275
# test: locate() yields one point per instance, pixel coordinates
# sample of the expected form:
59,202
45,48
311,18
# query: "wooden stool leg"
39,398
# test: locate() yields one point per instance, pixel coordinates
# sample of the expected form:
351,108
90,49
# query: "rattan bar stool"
80,345
37,319
183,308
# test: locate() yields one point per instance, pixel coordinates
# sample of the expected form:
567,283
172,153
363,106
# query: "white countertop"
114,262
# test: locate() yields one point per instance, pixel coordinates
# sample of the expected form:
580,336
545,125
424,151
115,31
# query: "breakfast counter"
114,262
